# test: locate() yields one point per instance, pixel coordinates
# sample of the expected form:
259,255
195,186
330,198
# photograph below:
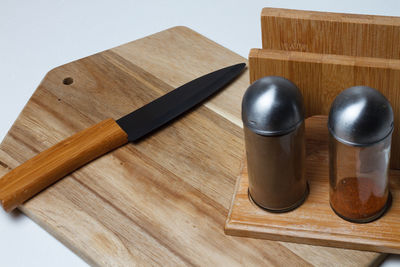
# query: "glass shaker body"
358,177
360,125
276,171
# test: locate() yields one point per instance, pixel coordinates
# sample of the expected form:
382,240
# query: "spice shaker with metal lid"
273,120
360,124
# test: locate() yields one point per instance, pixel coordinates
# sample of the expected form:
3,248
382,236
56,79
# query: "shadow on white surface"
16,215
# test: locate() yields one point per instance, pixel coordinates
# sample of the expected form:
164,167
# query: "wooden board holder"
323,54
314,222
331,33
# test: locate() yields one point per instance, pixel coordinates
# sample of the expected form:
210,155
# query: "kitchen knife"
56,162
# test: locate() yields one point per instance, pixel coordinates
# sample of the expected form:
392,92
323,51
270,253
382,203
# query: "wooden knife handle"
56,162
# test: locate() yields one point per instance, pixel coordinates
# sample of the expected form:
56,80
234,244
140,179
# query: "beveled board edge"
252,230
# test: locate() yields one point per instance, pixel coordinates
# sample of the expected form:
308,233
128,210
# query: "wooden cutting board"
164,200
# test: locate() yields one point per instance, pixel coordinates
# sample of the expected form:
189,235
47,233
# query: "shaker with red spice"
360,125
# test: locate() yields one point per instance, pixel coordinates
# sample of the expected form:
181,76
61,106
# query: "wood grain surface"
331,33
161,201
314,222
322,77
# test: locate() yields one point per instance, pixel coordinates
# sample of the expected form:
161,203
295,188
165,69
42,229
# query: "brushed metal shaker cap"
360,116
272,106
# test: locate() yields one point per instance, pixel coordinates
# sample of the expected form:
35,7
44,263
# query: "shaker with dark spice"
360,125
273,120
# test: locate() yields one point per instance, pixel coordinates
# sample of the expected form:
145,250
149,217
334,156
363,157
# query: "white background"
36,36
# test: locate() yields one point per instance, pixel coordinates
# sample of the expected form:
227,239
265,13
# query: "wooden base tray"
314,222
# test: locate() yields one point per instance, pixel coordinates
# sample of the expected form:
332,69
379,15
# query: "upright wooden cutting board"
164,200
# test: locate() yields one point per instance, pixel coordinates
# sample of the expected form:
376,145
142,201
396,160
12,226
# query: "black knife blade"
167,107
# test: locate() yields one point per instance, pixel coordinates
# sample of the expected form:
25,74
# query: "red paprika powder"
360,124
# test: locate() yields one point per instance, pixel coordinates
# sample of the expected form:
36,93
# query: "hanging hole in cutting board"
68,81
